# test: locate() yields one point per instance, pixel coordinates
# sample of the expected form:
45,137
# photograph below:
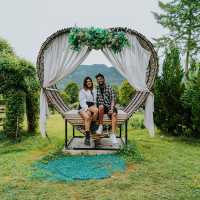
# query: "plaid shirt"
108,97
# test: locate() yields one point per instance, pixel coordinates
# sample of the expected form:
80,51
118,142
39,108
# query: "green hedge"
14,113
32,111
191,101
169,113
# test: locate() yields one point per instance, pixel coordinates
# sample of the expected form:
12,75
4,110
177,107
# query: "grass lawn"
170,169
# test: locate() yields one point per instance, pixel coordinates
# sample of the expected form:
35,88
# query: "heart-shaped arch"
139,98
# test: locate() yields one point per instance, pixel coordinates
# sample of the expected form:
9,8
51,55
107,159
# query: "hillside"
111,74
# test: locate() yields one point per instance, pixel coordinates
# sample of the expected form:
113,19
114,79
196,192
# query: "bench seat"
74,117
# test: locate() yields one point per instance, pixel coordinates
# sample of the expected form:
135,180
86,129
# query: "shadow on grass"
193,141
24,135
28,143
7,151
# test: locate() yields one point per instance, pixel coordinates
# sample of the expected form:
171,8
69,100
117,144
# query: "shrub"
18,81
191,101
72,90
65,97
126,92
74,105
131,152
31,89
136,122
14,113
116,91
169,114
5,48
32,111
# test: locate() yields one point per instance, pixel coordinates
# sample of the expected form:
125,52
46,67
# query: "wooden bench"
73,117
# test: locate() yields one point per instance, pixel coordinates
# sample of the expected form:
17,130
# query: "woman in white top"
87,108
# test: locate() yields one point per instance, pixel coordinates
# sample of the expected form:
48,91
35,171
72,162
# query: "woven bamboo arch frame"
138,99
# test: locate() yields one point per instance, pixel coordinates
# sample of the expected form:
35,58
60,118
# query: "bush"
65,97
136,122
18,80
191,101
74,105
32,111
170,115
14,113
5,48
131,152
126,92
72,90
116,91
31,89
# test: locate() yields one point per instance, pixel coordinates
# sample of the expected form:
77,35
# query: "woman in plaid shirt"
106,101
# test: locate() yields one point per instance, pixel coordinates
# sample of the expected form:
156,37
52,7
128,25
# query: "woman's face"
89,83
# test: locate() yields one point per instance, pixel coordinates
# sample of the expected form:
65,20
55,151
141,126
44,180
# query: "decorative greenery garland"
97,38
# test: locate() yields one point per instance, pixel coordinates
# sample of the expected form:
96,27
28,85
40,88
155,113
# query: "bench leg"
120,131
73,131
126,130
66,134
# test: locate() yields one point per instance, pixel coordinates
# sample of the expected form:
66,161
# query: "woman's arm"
82,100
95,96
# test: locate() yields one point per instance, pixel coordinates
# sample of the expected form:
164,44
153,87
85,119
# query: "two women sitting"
94,103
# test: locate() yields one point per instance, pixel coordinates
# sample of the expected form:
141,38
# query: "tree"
14,113
5,48
191,99
19,85
182,19
126,93
116,91
72,90
169,113
11,84
32,94
65,97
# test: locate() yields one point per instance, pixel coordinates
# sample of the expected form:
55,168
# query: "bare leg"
101,114
114,125
114,122
94,110
87,119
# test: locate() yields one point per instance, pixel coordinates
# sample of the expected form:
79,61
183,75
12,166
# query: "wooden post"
66,134
126,129
73,131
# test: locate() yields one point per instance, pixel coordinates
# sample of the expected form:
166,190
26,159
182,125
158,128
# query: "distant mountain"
111,75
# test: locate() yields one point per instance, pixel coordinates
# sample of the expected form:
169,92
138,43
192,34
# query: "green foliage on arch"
97,38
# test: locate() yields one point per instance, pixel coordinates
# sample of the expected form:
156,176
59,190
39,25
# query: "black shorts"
106,110
89,104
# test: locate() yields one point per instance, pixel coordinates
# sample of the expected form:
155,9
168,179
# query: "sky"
26,24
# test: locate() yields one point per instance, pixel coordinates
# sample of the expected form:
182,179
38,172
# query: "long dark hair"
85,83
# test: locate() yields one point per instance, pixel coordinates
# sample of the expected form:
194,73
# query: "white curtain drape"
59,61
132,63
